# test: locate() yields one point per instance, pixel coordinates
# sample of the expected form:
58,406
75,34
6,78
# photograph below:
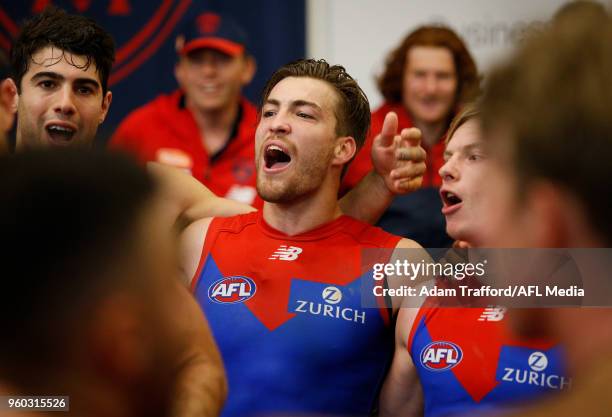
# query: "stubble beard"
309,176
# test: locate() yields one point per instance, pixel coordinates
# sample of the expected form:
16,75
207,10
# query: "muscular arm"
187,200
407,251
368,200
201,386
401,395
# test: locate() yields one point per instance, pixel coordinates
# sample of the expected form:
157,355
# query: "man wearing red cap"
206,127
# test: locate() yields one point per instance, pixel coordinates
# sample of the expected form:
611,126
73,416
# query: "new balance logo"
286,253
493,313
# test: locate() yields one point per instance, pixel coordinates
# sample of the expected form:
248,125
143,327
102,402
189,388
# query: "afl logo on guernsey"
232,290
441,356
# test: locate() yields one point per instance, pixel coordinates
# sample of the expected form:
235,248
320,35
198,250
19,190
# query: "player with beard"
473,376
282,288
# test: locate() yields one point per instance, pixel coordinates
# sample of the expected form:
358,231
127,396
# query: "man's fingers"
404,186
411,136
411,153
409,171
389,130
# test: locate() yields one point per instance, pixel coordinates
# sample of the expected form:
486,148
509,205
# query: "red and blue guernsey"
287,314
467,360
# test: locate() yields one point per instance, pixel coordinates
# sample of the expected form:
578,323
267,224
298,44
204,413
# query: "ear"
179,42
250,67
106,102
345,149
8,92
178,72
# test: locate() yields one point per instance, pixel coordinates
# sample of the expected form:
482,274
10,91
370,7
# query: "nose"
208,67
449,171
279,124
431,84
65,101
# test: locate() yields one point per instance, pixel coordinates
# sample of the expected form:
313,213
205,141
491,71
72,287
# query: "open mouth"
276,158
451,202
60,134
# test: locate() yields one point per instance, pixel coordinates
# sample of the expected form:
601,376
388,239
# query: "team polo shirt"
165,131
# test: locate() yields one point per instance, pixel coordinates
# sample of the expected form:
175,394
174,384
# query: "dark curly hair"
390,82
75,34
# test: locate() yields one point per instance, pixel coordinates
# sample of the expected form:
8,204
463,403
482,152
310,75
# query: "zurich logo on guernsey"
441,356
232,290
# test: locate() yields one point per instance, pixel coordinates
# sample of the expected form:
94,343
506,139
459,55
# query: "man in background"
206,127
425,81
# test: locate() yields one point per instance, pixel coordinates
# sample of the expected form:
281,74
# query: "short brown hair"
353,111
391,81
468,112
554,97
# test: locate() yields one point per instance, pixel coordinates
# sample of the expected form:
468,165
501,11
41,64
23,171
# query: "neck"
307,212
215,125
432,132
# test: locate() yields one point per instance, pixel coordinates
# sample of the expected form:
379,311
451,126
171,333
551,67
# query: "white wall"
359,33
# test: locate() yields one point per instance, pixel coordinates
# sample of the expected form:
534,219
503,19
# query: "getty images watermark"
481,277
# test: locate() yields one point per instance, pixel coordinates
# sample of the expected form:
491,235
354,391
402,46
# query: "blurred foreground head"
546,113
546,116
87,274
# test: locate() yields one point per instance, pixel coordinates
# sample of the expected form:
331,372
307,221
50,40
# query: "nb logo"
286,253
493,314
332,295
538,361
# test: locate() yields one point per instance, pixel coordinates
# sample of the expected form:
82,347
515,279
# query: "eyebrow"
297,103
466,148
58,77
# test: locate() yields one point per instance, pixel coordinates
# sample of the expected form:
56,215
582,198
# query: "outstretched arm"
187,200
399,165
